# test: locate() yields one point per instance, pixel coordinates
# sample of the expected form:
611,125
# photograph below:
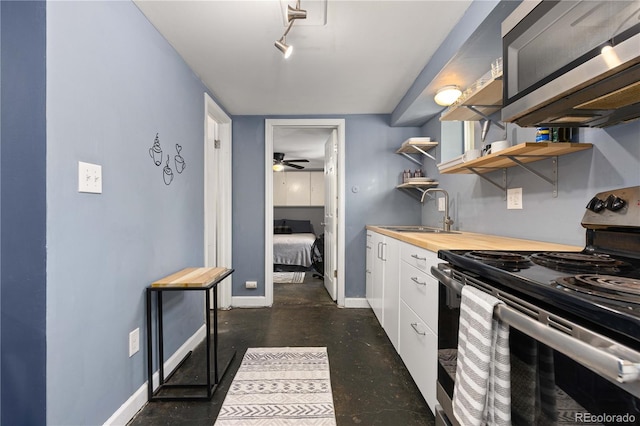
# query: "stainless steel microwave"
572,63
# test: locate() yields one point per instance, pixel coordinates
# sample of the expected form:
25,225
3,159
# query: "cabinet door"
298,188
280,189
391,288
419,291
368,278
377,276
317,188
419,351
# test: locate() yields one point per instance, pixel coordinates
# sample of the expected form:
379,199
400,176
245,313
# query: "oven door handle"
601,359
612,360
442,273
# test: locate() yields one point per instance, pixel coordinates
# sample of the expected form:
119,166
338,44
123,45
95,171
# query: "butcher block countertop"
470,241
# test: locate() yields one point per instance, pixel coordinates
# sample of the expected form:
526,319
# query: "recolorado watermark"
605,418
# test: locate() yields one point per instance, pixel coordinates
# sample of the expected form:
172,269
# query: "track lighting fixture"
292,15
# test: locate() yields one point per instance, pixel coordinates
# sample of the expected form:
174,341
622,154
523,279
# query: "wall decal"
167,173
180,164
155,152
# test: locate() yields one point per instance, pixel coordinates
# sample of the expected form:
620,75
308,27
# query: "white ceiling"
362,61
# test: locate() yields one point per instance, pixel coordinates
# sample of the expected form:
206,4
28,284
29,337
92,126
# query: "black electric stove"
598,287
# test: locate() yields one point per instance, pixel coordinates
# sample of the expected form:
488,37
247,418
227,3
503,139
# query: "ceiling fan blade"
297,161
295,166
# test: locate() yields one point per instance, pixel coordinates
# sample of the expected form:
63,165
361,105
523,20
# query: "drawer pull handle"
415,328
415,256
415,280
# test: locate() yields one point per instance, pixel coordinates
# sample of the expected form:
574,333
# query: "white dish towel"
482,392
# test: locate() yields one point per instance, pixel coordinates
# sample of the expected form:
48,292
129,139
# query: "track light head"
284,47
296,13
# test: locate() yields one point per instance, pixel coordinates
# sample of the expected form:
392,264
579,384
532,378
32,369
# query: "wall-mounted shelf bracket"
474,108
553,180
417,190
502,187
418,162
417,145
414,192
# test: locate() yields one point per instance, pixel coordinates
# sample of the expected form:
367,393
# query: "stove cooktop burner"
607,286
579,262
511,261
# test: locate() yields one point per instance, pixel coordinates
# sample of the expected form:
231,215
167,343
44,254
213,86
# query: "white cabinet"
298,189
376,268
316,188
383,290
391,289
419,318
404,297
419,351
279,189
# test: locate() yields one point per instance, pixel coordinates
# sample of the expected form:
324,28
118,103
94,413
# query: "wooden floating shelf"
527,152
487,100
417,185
411,145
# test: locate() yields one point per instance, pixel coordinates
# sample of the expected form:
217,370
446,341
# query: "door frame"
222,205
331,123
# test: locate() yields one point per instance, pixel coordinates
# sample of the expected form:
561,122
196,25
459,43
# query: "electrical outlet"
441,204
89,178
514,198
134,342
251,284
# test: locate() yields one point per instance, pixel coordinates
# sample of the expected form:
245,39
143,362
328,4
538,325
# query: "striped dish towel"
482,392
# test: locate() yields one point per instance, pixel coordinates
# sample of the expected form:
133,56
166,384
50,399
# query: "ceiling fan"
279,162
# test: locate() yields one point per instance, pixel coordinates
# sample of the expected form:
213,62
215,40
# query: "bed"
292,242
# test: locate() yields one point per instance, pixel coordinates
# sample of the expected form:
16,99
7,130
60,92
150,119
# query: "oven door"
547,385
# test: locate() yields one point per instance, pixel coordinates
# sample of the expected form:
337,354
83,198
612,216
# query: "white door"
330,214
217,194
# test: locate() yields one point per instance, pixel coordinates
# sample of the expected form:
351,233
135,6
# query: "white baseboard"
249,302
356,302
139,398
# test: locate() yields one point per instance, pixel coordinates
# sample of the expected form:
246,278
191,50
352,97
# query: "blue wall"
371,165
113,82
23,281
478,206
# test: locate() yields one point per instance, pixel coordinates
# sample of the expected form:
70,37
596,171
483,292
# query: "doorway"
337,128
217,194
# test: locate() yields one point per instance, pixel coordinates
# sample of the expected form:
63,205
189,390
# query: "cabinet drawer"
418,350
419,257
419,291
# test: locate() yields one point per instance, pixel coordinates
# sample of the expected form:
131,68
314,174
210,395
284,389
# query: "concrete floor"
371,385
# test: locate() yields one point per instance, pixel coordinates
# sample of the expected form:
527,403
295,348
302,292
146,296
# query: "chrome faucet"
446,221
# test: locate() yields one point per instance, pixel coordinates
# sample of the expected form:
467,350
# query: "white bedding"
292,249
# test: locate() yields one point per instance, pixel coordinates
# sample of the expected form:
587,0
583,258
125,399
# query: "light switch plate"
441,204
134,342
514,198
89,178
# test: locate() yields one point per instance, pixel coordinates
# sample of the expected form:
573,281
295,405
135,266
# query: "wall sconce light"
292,15
447,95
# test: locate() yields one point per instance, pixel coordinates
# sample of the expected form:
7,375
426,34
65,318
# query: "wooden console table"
188,279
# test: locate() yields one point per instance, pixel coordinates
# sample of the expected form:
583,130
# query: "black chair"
317,257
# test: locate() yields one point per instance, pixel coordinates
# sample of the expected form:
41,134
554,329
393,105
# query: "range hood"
572,63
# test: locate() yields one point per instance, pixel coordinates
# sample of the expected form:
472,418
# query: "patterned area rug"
280,386
288,277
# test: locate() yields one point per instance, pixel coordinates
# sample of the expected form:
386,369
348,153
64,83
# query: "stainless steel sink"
417,228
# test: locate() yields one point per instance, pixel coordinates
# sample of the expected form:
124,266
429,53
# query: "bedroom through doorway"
302,197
